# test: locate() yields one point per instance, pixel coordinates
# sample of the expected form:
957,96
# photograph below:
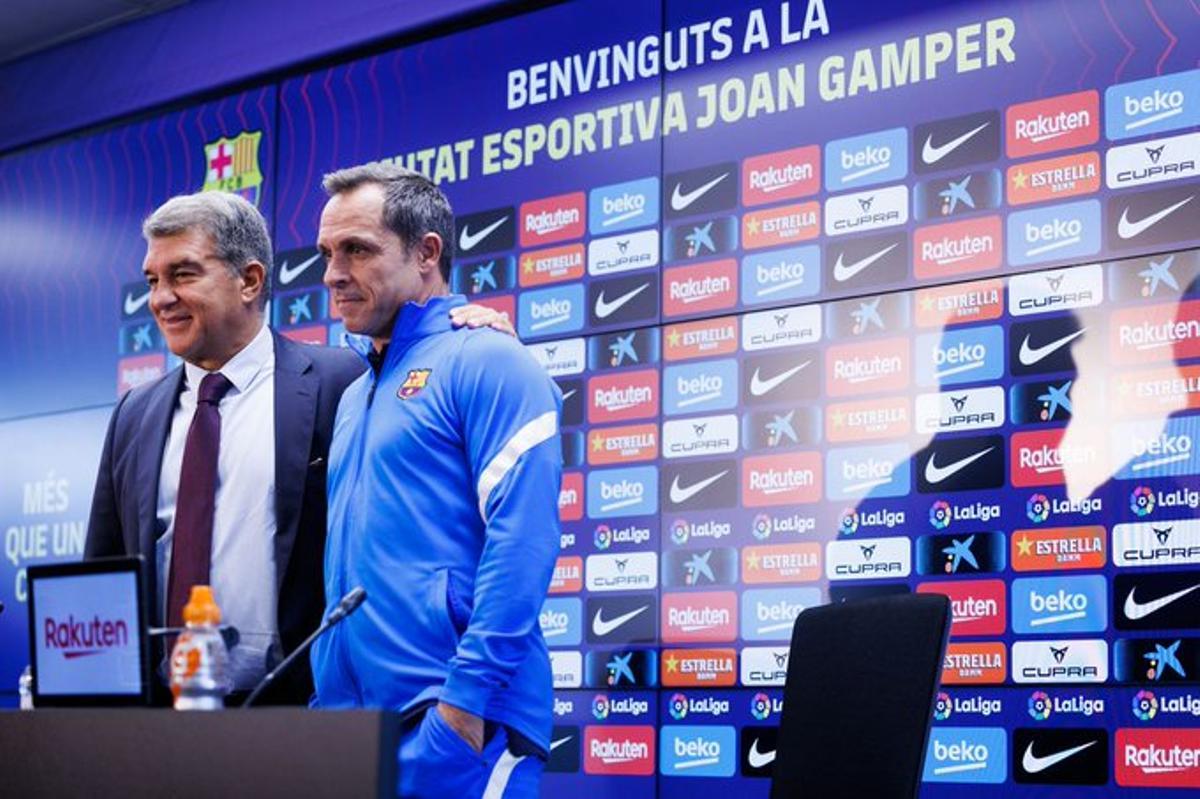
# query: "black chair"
858,703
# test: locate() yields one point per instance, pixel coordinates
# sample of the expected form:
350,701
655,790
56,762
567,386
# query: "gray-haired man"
215,473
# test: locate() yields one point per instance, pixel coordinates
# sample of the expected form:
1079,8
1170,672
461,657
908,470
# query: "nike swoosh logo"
757,758
570,394
681,200
1127,229
287,275
758,386
1135,610
931,154
602,626
936,474
843,272
681,494
555,744
1033,764
132,306
605,309
1031,355
467,240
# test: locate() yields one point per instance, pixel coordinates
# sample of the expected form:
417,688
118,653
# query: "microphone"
347,605
229,633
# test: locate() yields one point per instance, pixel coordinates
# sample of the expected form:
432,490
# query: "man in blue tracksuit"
443,485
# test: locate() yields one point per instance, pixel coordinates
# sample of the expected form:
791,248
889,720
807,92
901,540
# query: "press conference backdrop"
842,301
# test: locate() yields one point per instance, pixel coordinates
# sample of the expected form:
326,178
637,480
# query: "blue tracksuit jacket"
444,474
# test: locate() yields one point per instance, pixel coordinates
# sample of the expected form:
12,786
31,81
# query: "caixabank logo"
1165,659
981,552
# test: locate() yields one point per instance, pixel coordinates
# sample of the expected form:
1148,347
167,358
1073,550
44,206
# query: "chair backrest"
858,703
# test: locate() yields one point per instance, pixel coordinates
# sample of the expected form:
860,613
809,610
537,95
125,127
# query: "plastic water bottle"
199,661
25,689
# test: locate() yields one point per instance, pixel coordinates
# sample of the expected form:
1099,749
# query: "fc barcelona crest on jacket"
416,380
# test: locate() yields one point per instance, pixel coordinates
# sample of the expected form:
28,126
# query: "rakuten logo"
552,219
1157,332
978,605
868,368
619,749
1040,459
77,638
781,479
785,175
958,248
623,396
704,617
699,288
1055,123
1158,758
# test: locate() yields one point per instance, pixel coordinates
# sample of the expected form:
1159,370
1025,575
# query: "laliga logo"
1141,501
1039,705
1037,508
603,537
761,527
679,707
942,706
939,514
848,525
600,707
679,531
1145,705
760,706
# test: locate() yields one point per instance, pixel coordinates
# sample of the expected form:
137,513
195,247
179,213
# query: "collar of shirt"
415,321
242,368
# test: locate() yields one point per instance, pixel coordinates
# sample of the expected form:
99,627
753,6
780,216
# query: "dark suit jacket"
308,384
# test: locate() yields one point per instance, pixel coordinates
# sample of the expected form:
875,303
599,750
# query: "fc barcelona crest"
231,164
416,380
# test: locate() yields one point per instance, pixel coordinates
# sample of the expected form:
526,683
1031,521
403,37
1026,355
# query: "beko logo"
548,311
1070,661
1050,605
625,572
868,558
704,386
964,355
866,160
623,206
966,755
1055,232
1155,105
622,492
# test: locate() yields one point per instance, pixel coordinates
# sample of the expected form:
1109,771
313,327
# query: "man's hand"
481,316
467,725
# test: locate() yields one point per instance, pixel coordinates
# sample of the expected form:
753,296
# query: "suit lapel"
160,409
296,388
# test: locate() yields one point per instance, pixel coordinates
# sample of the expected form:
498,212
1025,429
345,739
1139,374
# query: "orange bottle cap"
201,607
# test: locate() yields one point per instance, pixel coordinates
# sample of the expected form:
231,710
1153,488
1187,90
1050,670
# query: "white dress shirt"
242,570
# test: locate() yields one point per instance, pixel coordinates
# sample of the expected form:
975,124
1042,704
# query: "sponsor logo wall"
935,338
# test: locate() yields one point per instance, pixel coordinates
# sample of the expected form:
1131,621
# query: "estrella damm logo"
416,380
231,164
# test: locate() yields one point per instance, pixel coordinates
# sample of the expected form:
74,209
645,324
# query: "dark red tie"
191,552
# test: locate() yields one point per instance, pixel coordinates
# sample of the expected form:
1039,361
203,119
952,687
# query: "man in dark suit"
215,473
